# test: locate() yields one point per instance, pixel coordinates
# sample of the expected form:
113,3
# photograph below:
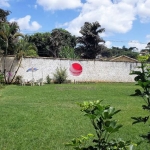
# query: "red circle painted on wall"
75,69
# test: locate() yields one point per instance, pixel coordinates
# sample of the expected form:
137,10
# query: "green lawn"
46,117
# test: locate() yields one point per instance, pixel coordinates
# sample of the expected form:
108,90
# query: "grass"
46,117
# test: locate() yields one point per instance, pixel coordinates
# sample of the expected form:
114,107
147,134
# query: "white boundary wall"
93,71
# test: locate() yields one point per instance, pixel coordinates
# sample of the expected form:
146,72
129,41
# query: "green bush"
60,76
31,53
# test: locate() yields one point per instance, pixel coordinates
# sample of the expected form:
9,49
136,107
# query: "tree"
3,15
26,48
8,38
60,38
148,47
88,45
42,42
130,52
23,48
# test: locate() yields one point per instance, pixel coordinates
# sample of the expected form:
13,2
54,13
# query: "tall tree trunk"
4,71
16,70
11,69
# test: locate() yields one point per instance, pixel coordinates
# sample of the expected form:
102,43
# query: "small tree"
102,120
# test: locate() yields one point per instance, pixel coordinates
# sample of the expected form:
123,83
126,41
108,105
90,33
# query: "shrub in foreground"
102,120
143,80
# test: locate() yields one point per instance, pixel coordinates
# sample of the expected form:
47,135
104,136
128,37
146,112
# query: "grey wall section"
93,71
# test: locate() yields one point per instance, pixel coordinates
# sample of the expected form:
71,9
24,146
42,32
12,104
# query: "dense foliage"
60,38
42,42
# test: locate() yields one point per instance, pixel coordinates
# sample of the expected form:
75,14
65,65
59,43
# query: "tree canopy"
60,38
3,15
42,42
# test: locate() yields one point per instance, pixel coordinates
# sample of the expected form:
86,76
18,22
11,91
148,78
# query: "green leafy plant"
48,79
60,76
31,53
101,119
143,80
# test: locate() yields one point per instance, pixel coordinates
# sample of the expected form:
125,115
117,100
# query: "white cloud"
115,18
148,36
137,44
59,4
108,44
25,24
35,6
4,3
143,10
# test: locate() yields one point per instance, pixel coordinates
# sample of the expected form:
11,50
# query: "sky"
126,22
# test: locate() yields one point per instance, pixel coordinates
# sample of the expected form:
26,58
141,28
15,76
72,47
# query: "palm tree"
3,15
23,47
88,44
8,38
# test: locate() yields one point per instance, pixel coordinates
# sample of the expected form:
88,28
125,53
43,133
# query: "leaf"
140,119
135,72
146,107
137,93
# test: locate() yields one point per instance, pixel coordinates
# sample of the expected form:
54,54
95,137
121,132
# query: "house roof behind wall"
124,58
